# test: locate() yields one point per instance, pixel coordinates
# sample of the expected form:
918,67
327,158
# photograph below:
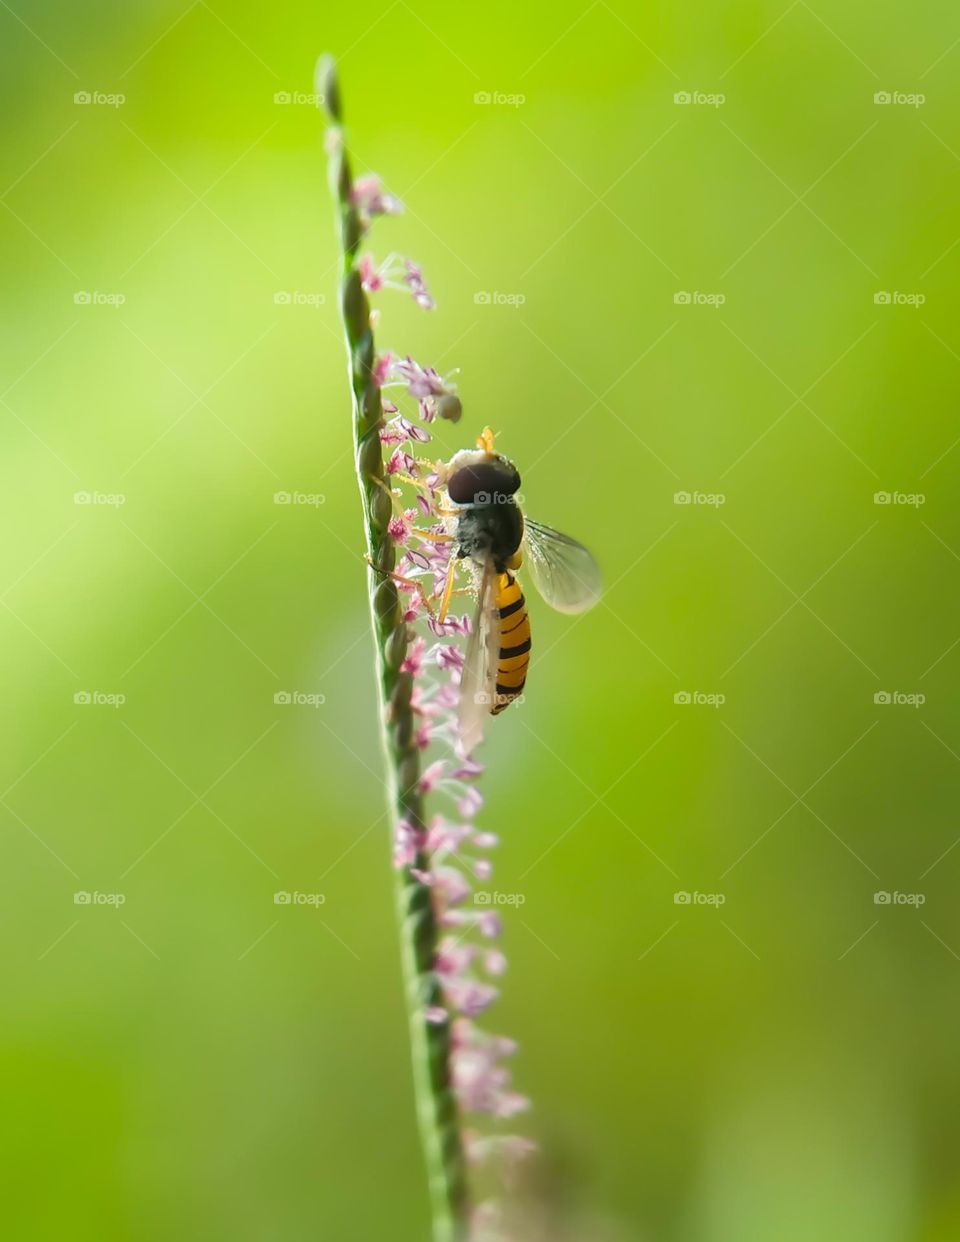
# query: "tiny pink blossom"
470,803
400,462
449,657
413,660
417,285
431,776
381,369
409,841
369,197
370,278
453,958
452,885
495,962
436,1015
490,925
469,997
467,770
398,529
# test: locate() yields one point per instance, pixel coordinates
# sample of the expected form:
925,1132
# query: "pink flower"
399,462
490,925
414,278
495,963
449,657
469,804
398,529
436,396
381,369
409,841
431,776
370,199
413,660
370,278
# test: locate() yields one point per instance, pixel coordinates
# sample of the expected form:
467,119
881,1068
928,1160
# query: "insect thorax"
493,530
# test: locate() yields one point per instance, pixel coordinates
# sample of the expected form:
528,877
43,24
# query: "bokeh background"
199,1062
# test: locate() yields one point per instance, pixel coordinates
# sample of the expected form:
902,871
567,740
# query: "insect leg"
448,588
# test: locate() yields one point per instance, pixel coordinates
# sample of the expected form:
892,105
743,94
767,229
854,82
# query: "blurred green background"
202,1063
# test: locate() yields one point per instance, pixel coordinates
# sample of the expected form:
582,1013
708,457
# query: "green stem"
419,931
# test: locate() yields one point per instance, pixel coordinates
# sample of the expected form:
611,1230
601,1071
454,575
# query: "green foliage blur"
646,296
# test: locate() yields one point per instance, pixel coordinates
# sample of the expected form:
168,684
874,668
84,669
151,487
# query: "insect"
490,530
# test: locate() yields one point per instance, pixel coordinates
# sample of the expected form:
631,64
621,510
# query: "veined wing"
564,571
478,681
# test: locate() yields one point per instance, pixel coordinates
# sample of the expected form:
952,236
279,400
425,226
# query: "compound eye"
480,483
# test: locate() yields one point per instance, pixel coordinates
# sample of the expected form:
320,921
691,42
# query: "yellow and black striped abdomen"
514,655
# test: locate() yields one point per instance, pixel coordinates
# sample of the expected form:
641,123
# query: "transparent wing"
564,572
478,681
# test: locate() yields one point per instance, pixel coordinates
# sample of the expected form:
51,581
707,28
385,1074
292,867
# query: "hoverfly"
490,530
